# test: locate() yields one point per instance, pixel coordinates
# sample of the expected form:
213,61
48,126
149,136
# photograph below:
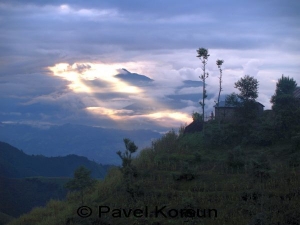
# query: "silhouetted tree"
232,100
245,100
126,156
248,87
81,181
129,171
197,116
246,106
286,106
203,56
219,64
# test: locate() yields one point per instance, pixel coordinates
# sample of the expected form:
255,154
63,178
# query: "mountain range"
14,163
95,143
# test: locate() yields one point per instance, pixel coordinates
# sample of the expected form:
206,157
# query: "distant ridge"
16,164
28,181
95,143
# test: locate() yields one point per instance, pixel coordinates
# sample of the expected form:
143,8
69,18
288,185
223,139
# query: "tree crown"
219,62
285,86
284,93
82,179
202,53
248,87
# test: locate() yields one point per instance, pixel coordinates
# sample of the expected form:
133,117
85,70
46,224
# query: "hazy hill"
16,164
30,181
98,144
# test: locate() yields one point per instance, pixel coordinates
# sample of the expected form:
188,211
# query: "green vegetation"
237,173
81,181
20,195
197,116
245,184
286,108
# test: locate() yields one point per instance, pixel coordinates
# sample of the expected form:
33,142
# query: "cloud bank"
58,59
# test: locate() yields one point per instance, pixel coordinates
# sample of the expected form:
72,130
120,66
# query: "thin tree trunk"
203,96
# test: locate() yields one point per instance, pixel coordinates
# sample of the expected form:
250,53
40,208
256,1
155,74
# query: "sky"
58,59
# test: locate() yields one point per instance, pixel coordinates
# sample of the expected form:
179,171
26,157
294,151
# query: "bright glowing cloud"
163,118
78,72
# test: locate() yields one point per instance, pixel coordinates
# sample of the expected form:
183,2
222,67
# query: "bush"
191,142
167,143
296,143
261,168
197,116
236,158
258,219
294,160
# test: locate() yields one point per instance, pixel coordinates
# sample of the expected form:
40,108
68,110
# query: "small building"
225,112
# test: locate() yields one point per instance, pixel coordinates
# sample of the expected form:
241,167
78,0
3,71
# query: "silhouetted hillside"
30,181
16,164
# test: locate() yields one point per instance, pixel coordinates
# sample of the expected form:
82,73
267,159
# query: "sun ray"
81,77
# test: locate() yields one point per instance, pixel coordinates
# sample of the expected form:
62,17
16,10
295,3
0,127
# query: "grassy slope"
162,180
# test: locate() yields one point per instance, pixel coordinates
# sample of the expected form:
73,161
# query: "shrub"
261,168
167,143
258,219
294,160
197,116
236,158
296,142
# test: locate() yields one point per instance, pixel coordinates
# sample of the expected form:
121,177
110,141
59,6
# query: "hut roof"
297,92
223,105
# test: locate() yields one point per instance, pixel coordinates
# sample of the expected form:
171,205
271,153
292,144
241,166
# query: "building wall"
228,113
260,109
224,113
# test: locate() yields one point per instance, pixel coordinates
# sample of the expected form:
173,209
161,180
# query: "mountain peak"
124,70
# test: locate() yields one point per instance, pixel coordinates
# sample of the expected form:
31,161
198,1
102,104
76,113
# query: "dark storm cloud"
144,26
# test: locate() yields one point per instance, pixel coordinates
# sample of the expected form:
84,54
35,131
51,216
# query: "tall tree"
219,64
126,156
129,171
203,56
286,106
81,181
248,87
284,92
